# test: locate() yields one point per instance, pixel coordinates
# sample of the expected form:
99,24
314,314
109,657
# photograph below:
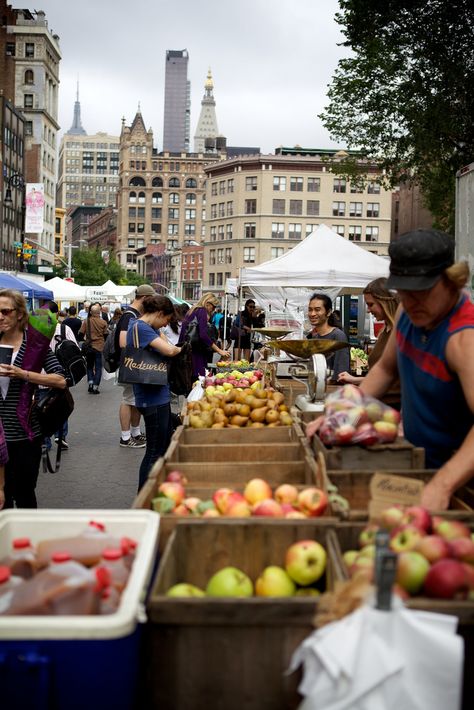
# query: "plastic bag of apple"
353,418
435,555
253,406
257,500
304,566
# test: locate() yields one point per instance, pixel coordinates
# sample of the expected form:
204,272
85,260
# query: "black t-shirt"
74,323
122,325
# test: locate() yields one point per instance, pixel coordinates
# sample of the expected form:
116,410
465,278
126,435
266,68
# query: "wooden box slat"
399,455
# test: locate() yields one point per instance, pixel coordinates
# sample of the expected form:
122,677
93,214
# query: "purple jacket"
199,357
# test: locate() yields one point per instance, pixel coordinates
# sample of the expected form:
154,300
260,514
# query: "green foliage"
404,96
91,270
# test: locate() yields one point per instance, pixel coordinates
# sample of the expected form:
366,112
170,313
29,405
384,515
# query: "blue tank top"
435,412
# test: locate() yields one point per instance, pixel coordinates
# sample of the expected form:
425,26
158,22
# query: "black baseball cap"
418,258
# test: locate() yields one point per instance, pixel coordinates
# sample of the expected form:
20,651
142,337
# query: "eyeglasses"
7,311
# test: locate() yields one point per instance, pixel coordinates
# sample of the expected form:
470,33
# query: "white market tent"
323,260
65,290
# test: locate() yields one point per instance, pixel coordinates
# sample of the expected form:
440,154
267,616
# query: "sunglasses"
7,311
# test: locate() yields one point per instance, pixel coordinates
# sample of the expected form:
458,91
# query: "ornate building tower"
76,128
207,124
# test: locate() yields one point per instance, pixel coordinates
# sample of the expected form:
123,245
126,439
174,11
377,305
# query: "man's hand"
435,496
313,427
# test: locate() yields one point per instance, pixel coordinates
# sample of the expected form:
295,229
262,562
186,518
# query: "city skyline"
271,63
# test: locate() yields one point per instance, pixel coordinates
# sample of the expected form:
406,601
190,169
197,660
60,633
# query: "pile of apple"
250,407
235,364
352,418
305,563
257,500
235,378
435,555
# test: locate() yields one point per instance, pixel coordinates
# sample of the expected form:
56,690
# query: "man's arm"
460,467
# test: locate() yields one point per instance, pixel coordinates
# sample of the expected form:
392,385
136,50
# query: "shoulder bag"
192,333
142,366
53,407
87,348
180,375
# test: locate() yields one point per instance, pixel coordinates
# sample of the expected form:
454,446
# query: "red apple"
405,538
351,393
367,536
412,569
268,508
286,493
374,410
447,579
237,508
451,529
211,513
469,570
392,416
192,503
256,490
177,477
312,501
386,431
344,434
419,517
366,435
305,562
462,548
391,518
295,515
433,547
181,510
220,498
173,490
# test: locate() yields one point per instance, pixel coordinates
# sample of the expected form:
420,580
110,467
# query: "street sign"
17,244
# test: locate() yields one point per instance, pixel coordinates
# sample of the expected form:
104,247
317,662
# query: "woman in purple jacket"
202,352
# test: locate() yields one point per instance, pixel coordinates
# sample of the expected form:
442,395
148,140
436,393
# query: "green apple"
274,582
184,590
229,582
412,569
305,562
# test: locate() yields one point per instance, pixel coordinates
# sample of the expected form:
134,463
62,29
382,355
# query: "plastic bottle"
22,559
112,559
128,547
109,601
85,548
64,587
8,583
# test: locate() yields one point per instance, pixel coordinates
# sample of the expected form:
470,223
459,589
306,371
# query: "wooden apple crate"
380,457
345,537
354,487
226,654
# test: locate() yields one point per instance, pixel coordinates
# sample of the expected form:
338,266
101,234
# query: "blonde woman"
202,350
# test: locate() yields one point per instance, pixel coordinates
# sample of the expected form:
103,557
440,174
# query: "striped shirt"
12,427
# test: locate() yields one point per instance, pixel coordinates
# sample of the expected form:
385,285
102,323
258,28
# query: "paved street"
95,472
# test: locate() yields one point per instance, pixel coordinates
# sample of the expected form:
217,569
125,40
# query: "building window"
219,279
190,230
249,255
373,188
221,209
314,184
355,233
10,49
157,198
28,101
338,209
156,212
228,255
222,187
174,198
29,77
156,228
220,232
157,182
131,227
213,189
140,227
212,257
279,183
250,183
310,228
356,189
190,198
213,211
28,128
173,182
190,214
140,212
312,208
173,212
132,212
230,185
294,231
276,251
296,184
29,50
250,206
220,256
230,209
213,234
296,207
371,234
212,279
141,197
250,229
131,243
228,231
278,230
373,209
339,228
355,209
339,185
278,207
173,229
191,182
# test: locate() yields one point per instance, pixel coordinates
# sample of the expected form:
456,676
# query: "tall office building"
176,122
77,128
207,123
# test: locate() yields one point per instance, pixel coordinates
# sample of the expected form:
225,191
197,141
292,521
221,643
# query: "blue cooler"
76,662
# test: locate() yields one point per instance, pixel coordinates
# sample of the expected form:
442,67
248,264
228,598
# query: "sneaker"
141,438
131,443
64,444
91,389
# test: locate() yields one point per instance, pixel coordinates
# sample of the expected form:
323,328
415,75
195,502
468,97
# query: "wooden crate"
266,435
226,654
380,457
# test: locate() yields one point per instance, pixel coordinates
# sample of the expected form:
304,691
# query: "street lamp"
17,181
70,247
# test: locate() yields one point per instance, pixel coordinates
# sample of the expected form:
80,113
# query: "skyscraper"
176,123
207,124
77,128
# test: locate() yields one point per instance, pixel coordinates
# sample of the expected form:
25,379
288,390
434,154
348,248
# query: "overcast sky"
271,62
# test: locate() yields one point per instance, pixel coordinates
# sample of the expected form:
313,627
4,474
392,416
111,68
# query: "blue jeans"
158,434
94,368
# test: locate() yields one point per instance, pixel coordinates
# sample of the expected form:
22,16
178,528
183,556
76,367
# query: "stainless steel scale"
309,368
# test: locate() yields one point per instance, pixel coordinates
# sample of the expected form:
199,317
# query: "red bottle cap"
111,553
102,579
21,542
61,557
97,525
5,574
128,545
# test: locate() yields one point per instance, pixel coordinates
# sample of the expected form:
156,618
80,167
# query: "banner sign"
34,199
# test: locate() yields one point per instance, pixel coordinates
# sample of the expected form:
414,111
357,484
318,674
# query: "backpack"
180,371
70,358
111,351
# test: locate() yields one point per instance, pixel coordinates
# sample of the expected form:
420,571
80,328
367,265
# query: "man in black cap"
432,350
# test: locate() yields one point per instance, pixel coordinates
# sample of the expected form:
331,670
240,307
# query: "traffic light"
18,252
